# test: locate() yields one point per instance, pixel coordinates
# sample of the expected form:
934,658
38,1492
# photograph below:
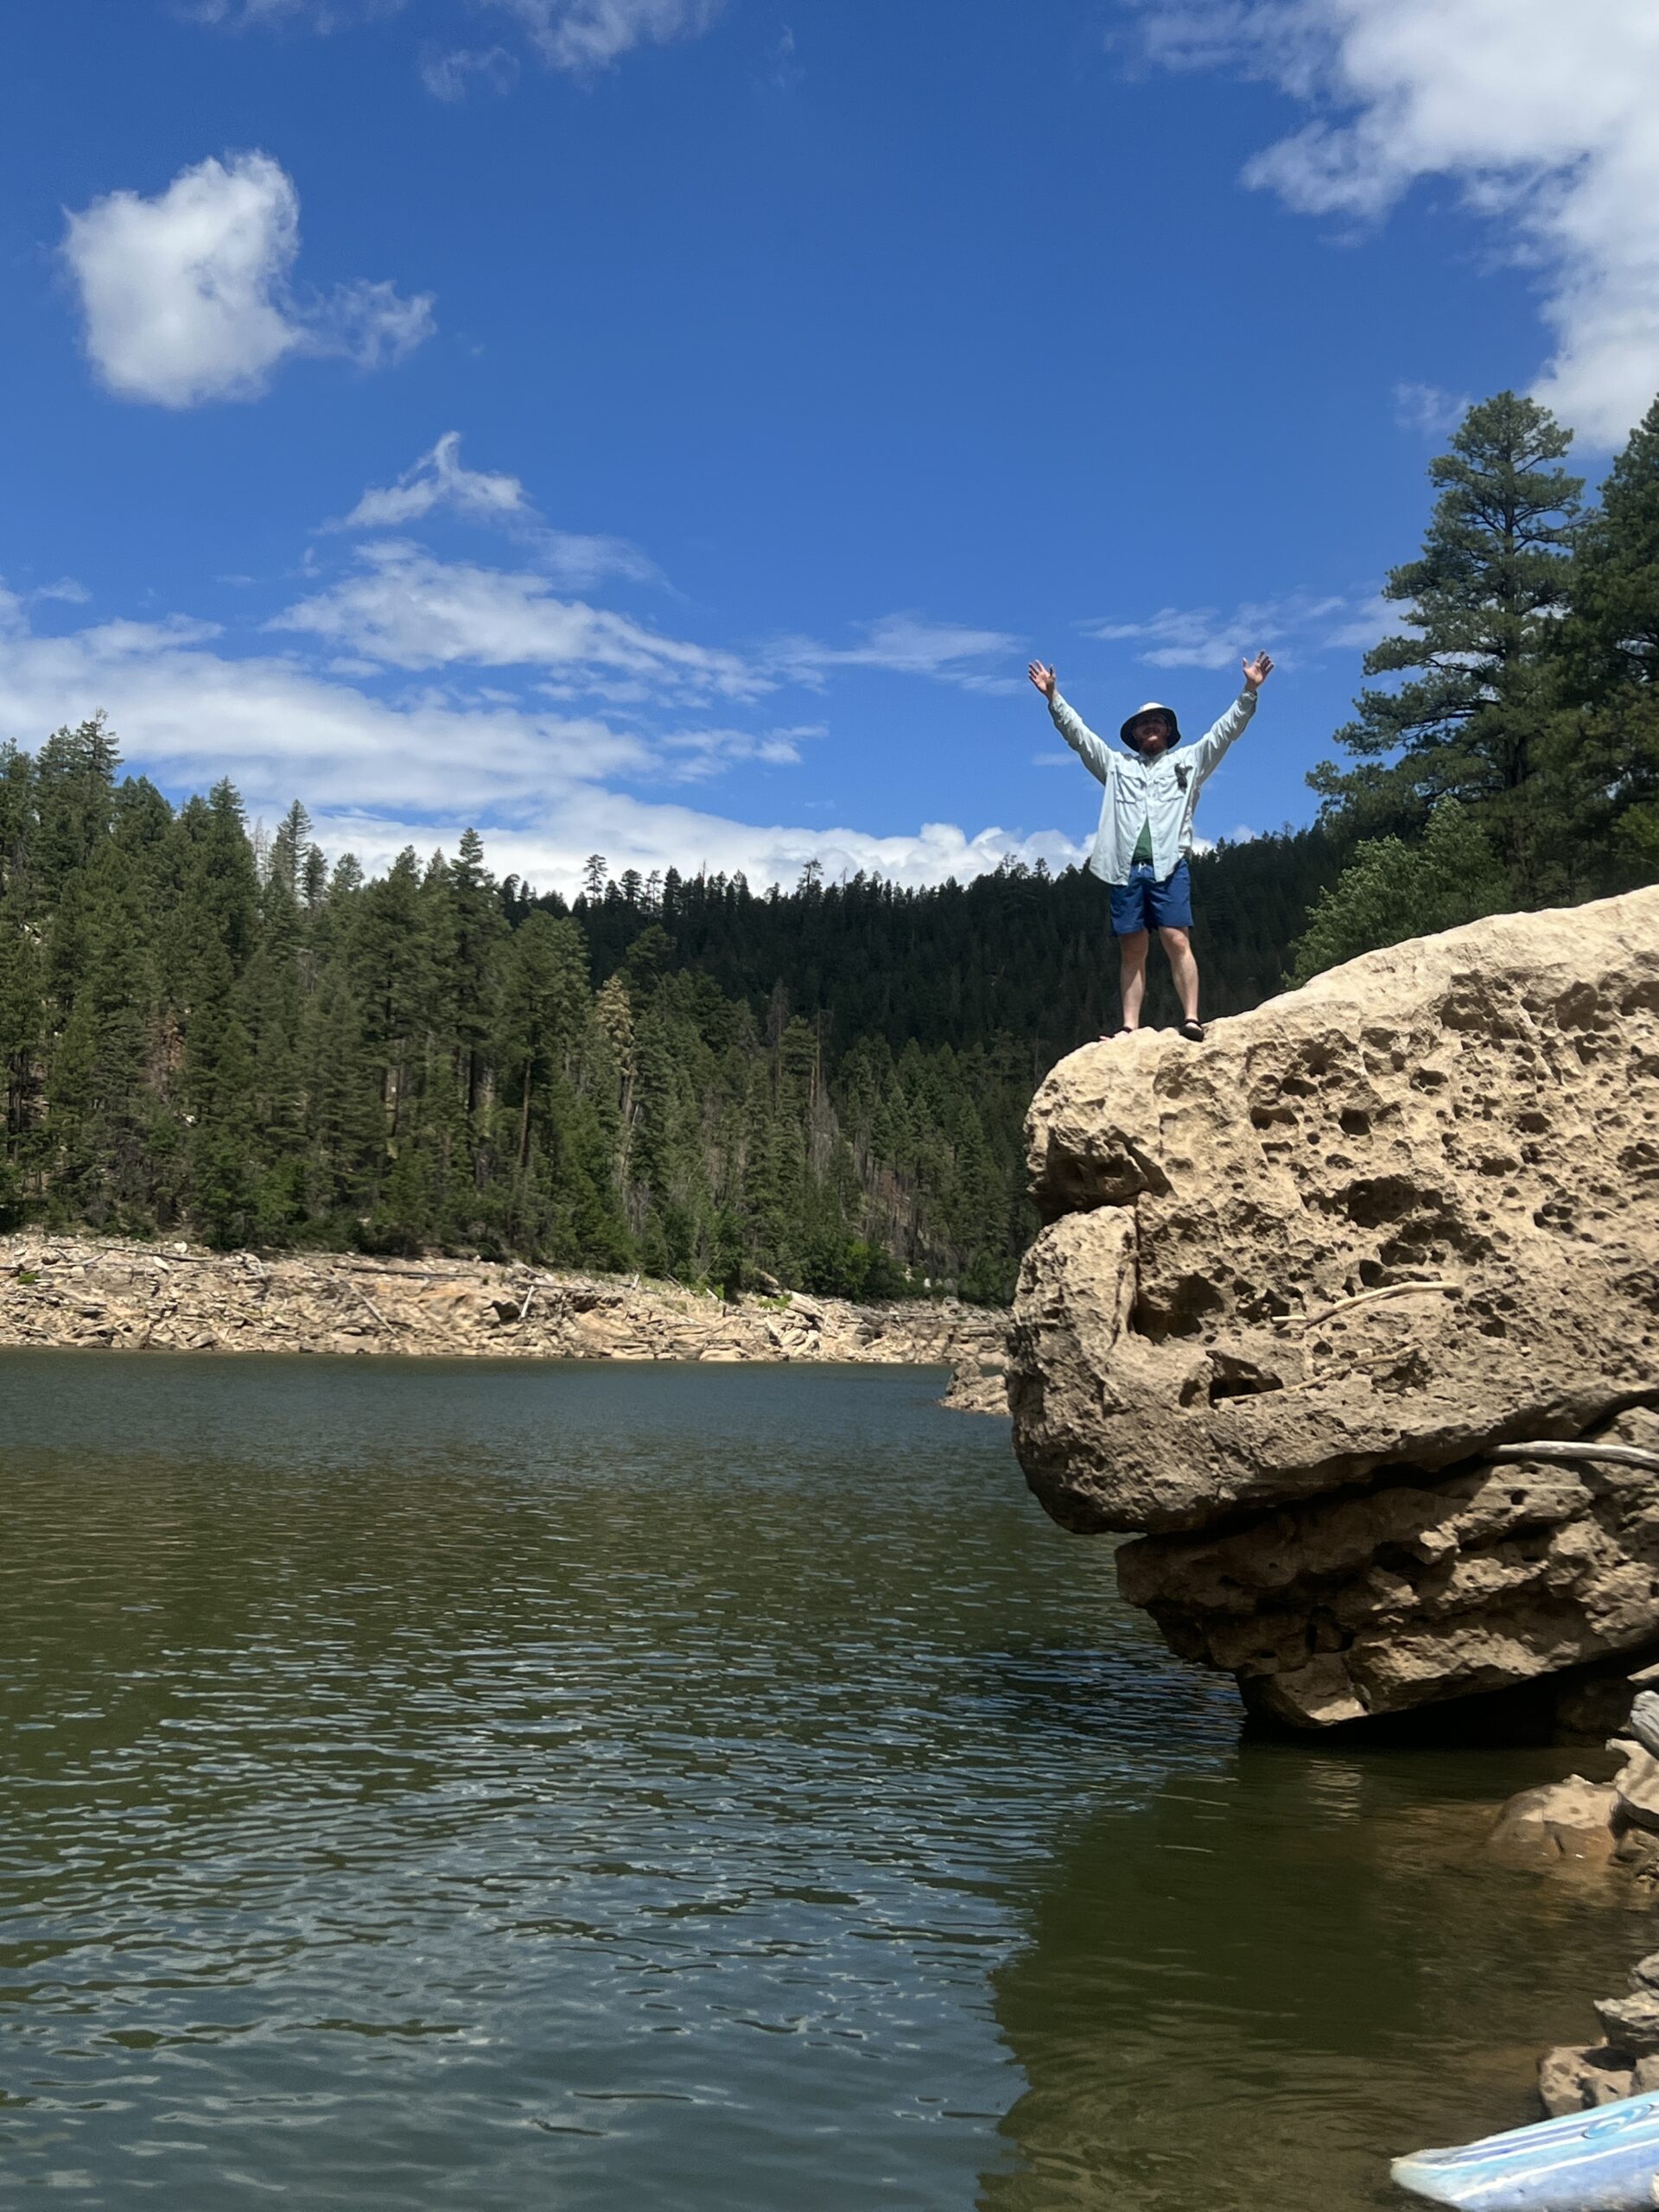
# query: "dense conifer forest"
210,1031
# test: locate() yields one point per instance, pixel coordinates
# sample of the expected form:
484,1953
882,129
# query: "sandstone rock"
1563,1820
1297,1283
1377,1600
1632,2023
1475,1109
981,1389
1635,1788
1643,1722
1570,2080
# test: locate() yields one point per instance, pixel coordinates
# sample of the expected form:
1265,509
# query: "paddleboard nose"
1604,2161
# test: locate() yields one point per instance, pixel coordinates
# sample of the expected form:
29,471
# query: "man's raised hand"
1043,678
1256,671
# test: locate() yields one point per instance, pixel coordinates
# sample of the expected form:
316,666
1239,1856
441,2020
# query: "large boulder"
1297,1283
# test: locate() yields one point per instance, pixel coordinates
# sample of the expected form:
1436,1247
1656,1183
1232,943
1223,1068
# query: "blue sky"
667,428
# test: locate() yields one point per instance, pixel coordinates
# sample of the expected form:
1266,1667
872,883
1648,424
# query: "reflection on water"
453,1785
1253,1990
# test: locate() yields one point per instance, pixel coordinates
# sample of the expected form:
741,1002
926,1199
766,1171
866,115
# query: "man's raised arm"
1208,751
1089,748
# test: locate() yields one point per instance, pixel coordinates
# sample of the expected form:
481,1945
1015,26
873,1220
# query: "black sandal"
1193,1030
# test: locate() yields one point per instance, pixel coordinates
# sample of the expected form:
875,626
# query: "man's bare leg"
1132,952
1182,966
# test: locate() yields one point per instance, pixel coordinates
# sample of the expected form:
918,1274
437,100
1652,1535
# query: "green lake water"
436,1784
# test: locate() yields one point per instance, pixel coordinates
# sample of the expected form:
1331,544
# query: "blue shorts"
1143,903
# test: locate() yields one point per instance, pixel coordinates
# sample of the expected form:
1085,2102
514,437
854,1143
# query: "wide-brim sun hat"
1152,707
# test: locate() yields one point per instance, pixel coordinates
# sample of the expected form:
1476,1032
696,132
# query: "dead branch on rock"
1372,1298
1622,1455
363,1299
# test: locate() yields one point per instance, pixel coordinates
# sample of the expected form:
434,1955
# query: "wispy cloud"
440,483
321,15
404,608
1207,637
1427,410
439,478
1367,619
581,37
1549,121
584,35
188,296
546,788
451,75
695,755
907,645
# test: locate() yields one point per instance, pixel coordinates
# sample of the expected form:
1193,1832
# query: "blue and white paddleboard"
1601,2161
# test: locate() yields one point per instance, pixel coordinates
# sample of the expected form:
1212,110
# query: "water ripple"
442,1785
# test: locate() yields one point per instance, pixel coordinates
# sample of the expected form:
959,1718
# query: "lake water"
435,1784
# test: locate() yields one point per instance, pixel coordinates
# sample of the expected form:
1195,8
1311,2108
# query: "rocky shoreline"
124,1295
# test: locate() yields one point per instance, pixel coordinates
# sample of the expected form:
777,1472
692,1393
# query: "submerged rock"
1298,1283
1571,2080
1570,1820
1636,1789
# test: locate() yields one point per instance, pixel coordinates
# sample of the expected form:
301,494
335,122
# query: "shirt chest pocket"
1160,788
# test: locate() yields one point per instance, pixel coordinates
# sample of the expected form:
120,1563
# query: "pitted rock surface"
1297,1281
1415,1592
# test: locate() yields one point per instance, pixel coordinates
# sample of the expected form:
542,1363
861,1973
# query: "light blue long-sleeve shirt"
1161,793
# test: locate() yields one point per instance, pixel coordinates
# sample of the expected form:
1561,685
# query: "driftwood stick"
1622,1455
529,1295
1372,1297
363,1299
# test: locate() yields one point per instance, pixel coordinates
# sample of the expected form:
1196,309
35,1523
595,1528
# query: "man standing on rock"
1145,829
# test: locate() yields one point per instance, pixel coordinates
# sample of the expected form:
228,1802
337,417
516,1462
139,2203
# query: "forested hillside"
204,1031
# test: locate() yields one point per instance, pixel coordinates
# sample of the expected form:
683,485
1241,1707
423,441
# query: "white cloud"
648,834
582,35
1366,620
1548,117
187,296
588,35
1203,637
403,608
438,482
379,775
904,645
694,755
322,16
1426,409
451,76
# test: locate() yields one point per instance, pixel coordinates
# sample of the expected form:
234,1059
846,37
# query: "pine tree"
1392,890
1605,765
1484,597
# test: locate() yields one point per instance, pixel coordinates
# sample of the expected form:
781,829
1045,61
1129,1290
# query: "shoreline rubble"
120,1294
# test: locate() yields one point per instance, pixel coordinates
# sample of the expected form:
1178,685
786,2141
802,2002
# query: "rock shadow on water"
1250,1992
